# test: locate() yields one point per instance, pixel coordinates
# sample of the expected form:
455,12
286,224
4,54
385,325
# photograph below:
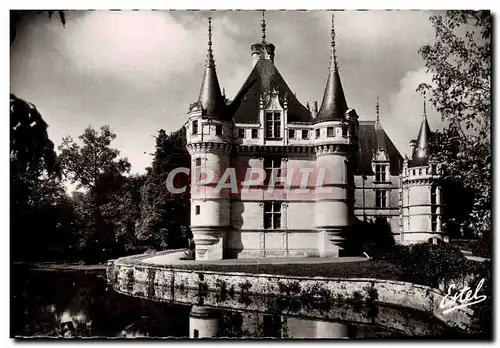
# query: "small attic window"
255,133
330,132
241,133
344,131
195,127
218,129
317,133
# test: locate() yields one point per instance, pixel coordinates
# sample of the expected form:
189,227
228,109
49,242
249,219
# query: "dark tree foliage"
30,146
96,168
460,62
17,16
42,217
164,215
373,236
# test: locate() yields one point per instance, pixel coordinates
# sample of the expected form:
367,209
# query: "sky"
138,71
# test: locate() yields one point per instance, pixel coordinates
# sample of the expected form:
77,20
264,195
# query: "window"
317,133
305,134
344,131
272,215
197,210
270,164
196,333
255,133
380,173
329,132
241,133
291,134
381,198
433,219
433,195
273,124
197,168
218,130
420,172
195,127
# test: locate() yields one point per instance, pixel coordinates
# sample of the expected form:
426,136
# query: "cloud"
405,111
142,46
139,71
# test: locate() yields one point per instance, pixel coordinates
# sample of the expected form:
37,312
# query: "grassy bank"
365,269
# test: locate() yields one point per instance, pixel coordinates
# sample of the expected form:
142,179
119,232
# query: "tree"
96,168
16,17
124,210
38,204
164,215
460,63
30,146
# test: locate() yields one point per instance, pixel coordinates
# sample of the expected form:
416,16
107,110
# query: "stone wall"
125,273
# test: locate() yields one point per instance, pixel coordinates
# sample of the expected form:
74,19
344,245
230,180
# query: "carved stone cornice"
209,147
328,149
257,149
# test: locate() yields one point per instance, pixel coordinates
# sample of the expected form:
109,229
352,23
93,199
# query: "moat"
82,304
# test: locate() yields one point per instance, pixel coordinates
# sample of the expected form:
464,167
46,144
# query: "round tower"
209,136
203,322
336,144
421,201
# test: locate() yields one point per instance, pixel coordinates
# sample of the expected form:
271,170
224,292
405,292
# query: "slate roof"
262,79
370,138
334,105
420,153
211,99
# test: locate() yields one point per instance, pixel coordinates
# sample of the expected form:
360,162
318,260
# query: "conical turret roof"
210,98
420,154
334,105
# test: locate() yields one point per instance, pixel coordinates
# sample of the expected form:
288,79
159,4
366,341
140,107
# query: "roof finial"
334,53
263,25
425,107
210,55
377,107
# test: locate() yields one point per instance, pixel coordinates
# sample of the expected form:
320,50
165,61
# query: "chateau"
324,168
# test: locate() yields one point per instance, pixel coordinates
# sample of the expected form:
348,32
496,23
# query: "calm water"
81,304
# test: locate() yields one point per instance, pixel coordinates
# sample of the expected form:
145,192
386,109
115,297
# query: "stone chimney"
413,143
314,111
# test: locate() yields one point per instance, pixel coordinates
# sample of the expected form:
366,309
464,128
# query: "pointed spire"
425,108
210,55
210,97
421,153
334,104
333,58
263,25
379,131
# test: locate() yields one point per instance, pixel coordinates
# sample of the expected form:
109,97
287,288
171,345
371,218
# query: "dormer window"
218,130
273,124
195,127
380,173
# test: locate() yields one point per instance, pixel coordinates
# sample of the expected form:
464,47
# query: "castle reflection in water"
205,322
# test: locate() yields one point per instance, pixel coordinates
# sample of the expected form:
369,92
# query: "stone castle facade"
349,169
